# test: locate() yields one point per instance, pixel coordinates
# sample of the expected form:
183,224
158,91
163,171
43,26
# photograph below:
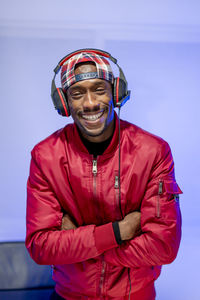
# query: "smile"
93,117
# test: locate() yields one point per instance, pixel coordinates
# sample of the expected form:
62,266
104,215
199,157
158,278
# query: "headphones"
120,87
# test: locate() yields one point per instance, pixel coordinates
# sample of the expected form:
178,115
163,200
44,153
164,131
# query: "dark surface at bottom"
33,294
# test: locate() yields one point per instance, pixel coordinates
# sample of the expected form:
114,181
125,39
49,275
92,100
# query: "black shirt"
96,148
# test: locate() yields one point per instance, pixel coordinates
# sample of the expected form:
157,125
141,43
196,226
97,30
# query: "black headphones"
120,87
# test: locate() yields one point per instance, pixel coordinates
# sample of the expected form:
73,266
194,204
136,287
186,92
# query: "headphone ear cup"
60,102
119,90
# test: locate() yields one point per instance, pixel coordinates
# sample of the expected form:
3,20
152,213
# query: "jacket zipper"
94,171
94,167
102,277
118,204
160,191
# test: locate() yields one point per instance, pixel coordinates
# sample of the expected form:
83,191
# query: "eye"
76,94
100,90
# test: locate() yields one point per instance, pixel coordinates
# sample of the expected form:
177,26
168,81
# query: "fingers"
130,225
67,223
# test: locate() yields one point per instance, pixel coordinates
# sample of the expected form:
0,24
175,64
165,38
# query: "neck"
98,148
102,137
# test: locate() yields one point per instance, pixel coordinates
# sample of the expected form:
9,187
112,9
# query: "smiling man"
91,104
102,200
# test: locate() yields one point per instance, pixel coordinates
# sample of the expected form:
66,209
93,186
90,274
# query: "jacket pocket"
168,193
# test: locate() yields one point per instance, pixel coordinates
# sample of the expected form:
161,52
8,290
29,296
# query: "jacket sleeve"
160,220
45,241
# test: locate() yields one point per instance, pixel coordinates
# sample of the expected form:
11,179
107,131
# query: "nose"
90,103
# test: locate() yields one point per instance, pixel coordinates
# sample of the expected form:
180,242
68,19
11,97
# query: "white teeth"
92,117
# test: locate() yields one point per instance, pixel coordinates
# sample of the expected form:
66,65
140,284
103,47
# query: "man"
102,209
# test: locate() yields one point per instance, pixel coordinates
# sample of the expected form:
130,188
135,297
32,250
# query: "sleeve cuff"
105,237
116,230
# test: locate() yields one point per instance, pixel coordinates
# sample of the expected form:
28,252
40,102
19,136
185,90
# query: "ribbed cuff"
117,233
104,237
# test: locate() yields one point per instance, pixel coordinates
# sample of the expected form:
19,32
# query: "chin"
99,132
93,132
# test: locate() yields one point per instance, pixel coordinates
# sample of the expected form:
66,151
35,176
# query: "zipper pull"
160,188
94,166
116,182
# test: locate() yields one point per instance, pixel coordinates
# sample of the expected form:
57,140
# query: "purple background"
157,43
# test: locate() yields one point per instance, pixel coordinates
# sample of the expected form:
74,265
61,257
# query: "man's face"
91,105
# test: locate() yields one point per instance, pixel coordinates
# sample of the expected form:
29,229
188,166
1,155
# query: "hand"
130,226
67,223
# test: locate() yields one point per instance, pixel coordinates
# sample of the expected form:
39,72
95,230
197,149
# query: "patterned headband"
68,76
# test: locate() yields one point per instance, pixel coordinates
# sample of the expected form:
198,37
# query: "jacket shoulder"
52,144
141,138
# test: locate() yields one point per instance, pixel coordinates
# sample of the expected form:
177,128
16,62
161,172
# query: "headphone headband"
88,50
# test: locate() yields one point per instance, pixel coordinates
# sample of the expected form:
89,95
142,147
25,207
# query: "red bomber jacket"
65,178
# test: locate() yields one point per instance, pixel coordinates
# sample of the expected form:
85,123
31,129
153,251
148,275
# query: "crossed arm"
54,239
129,227
50,241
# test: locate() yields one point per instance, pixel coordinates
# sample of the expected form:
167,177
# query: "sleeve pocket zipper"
170,187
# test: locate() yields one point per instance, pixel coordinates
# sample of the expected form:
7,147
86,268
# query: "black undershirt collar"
96,148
